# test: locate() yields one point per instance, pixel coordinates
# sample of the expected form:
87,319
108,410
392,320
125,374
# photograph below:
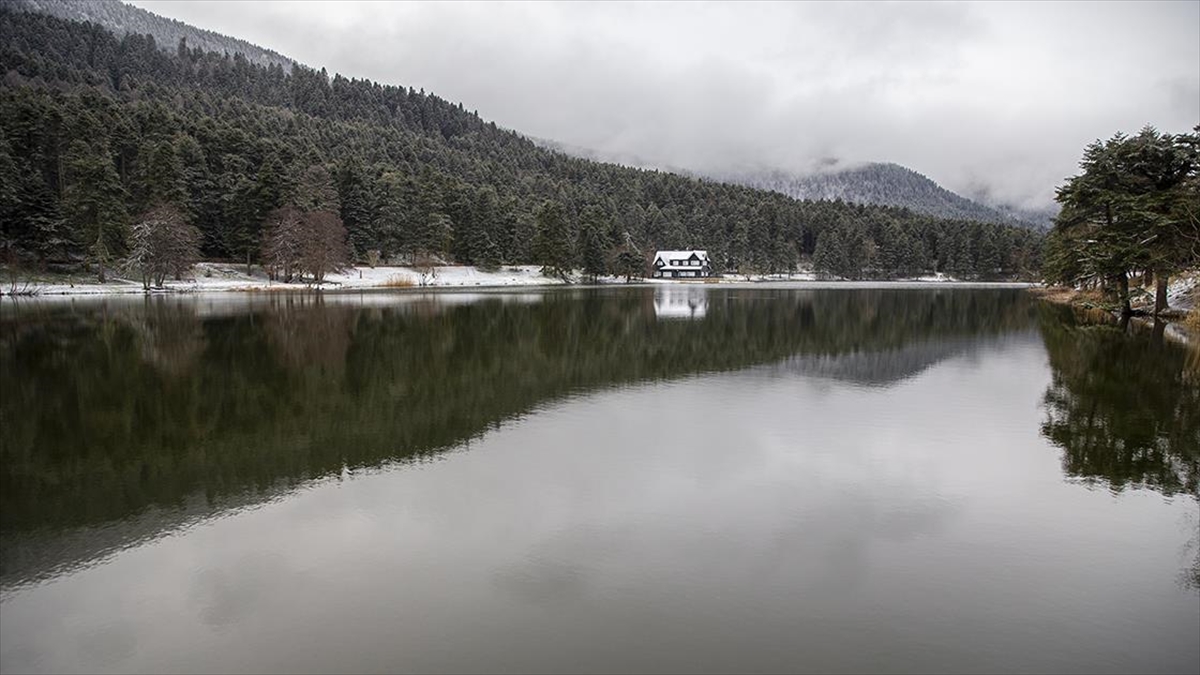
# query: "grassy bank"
1183,302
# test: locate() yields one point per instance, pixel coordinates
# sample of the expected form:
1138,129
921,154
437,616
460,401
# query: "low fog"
992,99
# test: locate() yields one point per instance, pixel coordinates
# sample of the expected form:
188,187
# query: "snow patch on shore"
218,277
215,277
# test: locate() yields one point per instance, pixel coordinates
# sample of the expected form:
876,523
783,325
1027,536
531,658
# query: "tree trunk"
1160,292
1123,288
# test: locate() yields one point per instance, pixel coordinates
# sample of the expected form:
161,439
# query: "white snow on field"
210,277
444,276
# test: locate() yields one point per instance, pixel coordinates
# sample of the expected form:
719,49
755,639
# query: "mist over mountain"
887,184
876,183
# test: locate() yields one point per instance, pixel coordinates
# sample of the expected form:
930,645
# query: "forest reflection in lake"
601,479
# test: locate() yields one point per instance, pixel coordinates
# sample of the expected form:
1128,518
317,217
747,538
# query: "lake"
781,478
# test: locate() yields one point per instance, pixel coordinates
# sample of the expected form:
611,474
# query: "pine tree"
94,203
432,228
830,257
160,175
552,243
357,209
592,249
989,259
395,209
629,262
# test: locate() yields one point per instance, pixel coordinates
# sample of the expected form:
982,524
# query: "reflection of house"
678,264
680,303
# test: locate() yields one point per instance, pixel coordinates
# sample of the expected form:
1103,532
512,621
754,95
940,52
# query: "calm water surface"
671,479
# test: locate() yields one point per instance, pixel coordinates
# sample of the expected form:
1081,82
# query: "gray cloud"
989,97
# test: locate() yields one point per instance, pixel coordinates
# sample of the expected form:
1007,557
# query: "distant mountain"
886,184
880,183
123,19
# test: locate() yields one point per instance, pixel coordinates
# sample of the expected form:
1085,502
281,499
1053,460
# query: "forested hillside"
121,19
101,136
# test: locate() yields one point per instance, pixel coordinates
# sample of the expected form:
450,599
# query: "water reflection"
155,412
680,302
1124,407
796,481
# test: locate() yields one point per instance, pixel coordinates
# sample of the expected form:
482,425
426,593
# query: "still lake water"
626,479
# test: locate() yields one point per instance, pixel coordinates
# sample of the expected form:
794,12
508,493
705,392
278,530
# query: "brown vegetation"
399,281
299,243
162,243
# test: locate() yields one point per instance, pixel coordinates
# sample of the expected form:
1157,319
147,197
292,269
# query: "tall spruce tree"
552,243
94,203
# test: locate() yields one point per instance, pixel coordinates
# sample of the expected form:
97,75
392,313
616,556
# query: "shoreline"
1177,319
224,278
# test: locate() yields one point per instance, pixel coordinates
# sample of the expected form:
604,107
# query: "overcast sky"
997,97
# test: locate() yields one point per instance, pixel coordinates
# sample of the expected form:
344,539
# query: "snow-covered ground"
1183,291
218,277
210,277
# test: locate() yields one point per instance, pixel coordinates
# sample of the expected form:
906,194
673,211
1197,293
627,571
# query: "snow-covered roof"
682,255
678,259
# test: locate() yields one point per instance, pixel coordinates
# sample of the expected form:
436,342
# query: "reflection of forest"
880,368
114,410
1124,406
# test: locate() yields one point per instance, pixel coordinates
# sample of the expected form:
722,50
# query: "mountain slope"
879,183
885,184
123,19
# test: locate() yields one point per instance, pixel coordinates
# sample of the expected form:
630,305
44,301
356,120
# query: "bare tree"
281,247
162,243
298,244
323,244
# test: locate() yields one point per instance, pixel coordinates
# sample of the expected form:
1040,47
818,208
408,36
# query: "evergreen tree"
94,203
485,252
160,175
552,243
629,261
394,198
433,230
1126,211
830,256
318,190
592,248
354,195
235,227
